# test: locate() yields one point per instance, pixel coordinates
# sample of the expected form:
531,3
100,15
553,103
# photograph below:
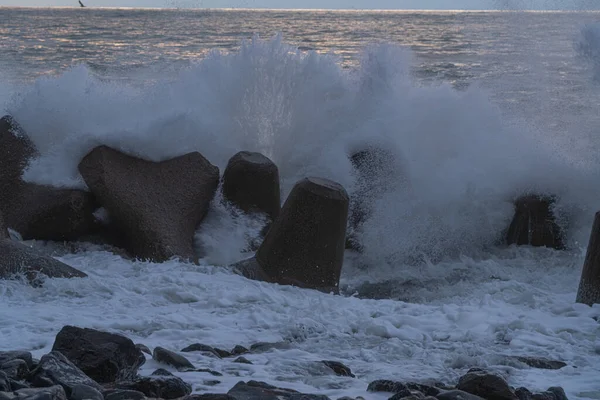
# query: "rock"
6,356
143,348
425,389
203,348
458,395
157,205
18,385
37,211
56,369
541,363
523,393
386,386
238,350
84,392
262,347
3,230
162,372
339,369
165,387
106,357
543,396
47,393
407,396
210,371
17,258
401,394
489,386
4,382
222,353
209,396
15,369
251,183
120,394
589,285
305,245
242,360
171,358
534,223
253,390
559,393
211,383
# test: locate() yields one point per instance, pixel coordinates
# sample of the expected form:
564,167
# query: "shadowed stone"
56,369
37,211
589,285
105,357
534,223
165,387
3,231
17,258
305,245
486,385
251,182
168,357
254,390
157,205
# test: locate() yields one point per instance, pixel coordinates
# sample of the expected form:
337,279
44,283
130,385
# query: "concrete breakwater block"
589,285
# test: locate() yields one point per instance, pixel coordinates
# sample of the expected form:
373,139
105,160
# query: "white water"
460,160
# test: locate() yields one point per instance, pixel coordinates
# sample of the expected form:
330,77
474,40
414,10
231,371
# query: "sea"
477,108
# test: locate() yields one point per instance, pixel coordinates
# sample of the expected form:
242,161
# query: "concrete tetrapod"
305,245
589,286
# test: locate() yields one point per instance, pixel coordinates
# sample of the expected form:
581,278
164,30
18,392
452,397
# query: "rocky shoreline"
90,364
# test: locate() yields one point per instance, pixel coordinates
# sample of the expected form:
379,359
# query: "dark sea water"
476,108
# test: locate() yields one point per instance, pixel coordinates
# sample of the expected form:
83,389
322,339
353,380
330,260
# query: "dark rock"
305,245
409,396
458,395
541,363
17,258
425,389
37,211
210,371
47,393
156,205
56,369
4,382
386,386
15,369
162,372
18,385
203,348
523,393
84,392
559,393
106,357
6,356
120,394
242,360
534,223
339,368
589,285
3,230
253,390
222,353
262,347
238,350
209,396
166,387
543,396
143,348
173,359
401,395
211,383
489,386
251,183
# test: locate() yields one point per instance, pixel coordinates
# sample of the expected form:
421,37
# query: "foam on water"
587,46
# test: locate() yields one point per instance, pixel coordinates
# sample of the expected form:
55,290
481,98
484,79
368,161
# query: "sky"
333,4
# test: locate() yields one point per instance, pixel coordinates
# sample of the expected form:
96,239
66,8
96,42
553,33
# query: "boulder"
4,382
48,393
17,258
458,395
253,390
6,356
157,205
106,357
589,285
486,385
171,358
85,392
383,385
120,394
209,396
3,231
16,369
251,183
164,387
540,362
242,360
338,368
37,211
56,369
534,223
305,245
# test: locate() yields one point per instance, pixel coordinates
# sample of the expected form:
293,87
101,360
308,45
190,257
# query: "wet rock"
238,350
210,371
408,396
120,394
223,353
209,396
305,245
211,383
17,258
589,285
56,369
262,347
106,357
47,393
166,387
84,392
541,363
253,390
162,372
242,360
171,358
18,385
523,393
202,348
339,368
534,223
458,395
558,392
3,230
489,386
383,385
15,369
4,382
157,205
6,356
143,348
251,183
